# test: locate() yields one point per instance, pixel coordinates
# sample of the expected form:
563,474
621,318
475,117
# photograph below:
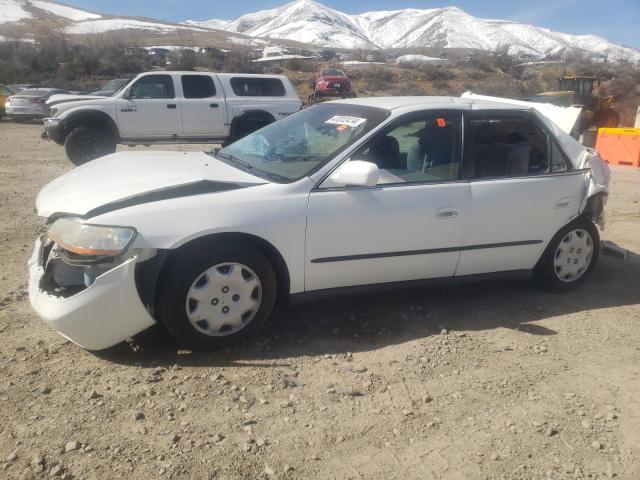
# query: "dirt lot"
484,381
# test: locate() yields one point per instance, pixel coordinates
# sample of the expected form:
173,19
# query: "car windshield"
299,144
332,72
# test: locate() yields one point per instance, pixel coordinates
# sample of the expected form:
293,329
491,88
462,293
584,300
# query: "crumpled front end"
95,306
598,188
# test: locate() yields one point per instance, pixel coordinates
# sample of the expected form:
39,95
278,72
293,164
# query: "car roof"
407,103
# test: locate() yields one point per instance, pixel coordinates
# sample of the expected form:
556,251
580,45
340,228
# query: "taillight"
38,100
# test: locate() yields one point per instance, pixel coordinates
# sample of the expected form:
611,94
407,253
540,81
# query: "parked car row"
345,194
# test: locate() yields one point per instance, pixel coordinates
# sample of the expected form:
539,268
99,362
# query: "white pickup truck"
170,107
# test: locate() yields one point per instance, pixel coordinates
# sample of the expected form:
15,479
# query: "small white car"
30,104
349,193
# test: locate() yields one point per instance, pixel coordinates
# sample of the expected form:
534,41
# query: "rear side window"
257,87
198,86
153,86
512,147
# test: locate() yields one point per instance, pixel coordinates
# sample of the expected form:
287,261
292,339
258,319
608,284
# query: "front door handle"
171,105
213,105
447,211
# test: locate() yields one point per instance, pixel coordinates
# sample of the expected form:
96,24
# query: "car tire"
84,144
212,296
570,256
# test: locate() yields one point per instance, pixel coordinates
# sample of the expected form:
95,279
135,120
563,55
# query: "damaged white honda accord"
359,192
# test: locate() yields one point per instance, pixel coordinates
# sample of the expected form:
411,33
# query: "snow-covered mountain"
311,22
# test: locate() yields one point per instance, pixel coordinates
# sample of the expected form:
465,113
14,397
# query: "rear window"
34,92
332,72
198,86
257,87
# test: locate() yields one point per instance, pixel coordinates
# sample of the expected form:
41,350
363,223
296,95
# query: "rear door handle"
213,105
447,211
171,105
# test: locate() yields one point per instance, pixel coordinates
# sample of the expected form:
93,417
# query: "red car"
330,82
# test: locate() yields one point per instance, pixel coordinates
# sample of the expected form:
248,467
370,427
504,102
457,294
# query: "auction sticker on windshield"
352,122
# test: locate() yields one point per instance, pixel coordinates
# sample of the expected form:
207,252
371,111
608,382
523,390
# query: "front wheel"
570,256
84,144
217,295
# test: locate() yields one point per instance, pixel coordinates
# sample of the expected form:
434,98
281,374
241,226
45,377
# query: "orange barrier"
619,146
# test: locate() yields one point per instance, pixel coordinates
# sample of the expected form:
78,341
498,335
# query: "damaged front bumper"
96,317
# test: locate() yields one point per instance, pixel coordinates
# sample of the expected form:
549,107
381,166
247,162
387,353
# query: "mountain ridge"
309,21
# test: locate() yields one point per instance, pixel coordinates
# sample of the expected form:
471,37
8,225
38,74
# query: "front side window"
424,148
301,143
153,86
512,147
198,86
257,87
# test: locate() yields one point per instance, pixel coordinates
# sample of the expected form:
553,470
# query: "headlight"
83,239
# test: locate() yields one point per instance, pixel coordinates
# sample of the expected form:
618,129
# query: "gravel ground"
485,381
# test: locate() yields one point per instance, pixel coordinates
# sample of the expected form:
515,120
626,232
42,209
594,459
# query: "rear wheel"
214,297
570,256
84,144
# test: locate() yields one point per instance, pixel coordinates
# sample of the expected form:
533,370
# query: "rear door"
203,106
523,190
149,109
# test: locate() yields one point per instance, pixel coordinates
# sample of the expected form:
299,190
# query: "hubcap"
223,299
573,255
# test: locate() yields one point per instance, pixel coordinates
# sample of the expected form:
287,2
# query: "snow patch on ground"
107,25
64,11
12,11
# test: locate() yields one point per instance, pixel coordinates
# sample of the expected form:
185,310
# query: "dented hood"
129,178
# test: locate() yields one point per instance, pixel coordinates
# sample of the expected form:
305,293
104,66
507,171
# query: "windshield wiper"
235,160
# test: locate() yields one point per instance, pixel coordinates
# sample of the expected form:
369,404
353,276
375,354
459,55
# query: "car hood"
64,98
131,178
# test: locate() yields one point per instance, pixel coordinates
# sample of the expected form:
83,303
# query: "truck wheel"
216,297
84,144
570,256
244,126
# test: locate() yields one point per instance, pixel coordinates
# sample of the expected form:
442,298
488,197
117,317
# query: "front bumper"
52,129
100,316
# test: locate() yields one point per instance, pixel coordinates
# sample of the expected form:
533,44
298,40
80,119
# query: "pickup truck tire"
216,297
243,126
570,256
84,144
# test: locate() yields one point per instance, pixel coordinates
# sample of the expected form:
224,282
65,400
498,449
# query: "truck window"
153,86
198,86
257,87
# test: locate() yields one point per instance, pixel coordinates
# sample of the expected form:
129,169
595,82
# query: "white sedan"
350,193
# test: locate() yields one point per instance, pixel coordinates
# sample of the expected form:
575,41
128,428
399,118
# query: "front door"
150,109
409,226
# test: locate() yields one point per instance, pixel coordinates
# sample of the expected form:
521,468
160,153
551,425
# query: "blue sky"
615,20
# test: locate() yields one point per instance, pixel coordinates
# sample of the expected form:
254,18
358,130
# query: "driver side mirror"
356,173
